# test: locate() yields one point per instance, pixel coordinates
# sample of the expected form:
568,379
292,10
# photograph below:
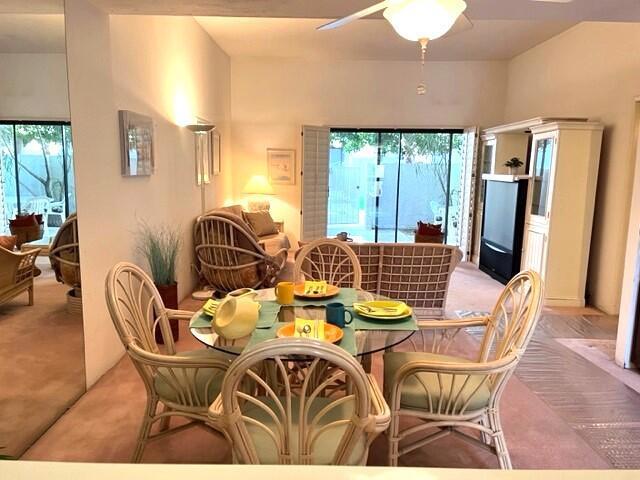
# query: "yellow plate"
383,304
332,333
332,291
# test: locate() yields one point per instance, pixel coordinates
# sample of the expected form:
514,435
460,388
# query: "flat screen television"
501,200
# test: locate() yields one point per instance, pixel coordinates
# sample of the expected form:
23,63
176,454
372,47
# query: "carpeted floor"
102,426
42,367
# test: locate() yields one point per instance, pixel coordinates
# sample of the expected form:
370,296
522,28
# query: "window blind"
315,181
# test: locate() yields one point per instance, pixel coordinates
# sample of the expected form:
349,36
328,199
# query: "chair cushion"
261,223
8,242
208,380
326,443
414,390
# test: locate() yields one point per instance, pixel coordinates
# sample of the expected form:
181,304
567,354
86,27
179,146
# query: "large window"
36,172
381,182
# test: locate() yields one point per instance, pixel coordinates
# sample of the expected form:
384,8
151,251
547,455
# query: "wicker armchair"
229,256
330,260
16,274
65,253
185,383
279,418
446,393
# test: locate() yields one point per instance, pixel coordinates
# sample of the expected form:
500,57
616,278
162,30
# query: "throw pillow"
8,242
261,223
235,209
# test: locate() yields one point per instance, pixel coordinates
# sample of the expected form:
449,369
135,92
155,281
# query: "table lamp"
259,187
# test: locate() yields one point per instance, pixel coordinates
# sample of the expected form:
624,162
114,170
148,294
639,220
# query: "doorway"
383,181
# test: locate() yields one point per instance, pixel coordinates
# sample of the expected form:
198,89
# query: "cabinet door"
543,154
535,249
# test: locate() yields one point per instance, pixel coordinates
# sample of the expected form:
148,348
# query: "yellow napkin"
315,328
315,287
390,310
210,307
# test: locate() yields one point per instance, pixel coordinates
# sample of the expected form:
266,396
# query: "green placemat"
269,310
348,341
346,296
200,320
363,323
268,315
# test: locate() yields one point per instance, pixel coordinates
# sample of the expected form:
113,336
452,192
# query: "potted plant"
513,165
160,245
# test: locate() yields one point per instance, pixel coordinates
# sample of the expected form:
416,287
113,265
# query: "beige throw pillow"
261,223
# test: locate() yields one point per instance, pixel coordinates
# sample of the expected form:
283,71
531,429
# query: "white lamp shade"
258,185
423,19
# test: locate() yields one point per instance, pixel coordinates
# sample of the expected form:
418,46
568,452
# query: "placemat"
346,296
348,342
363,323
268,315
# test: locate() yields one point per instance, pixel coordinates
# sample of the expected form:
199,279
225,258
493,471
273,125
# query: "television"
503,228
501,199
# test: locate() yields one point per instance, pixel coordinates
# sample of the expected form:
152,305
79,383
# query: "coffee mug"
336,315
284,293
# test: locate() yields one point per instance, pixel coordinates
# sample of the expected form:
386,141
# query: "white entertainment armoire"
562,171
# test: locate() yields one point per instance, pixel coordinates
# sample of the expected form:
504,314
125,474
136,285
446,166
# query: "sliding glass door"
382,182
36,172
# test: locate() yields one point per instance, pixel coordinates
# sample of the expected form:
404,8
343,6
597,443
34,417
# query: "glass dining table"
362,338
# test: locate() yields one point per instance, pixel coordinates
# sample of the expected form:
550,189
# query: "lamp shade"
423,19
258,185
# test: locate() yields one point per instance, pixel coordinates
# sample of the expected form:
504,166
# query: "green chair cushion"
208,381
326,444
414,391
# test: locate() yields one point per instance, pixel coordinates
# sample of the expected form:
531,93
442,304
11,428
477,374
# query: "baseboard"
564,302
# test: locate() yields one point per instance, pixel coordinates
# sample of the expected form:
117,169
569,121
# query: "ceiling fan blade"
462,24
355,16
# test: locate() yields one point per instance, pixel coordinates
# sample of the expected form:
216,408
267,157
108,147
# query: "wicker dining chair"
229,255
448,393
321,421
65,253
330,260
184,383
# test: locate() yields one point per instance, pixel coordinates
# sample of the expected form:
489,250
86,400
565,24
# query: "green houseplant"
513,164
160,246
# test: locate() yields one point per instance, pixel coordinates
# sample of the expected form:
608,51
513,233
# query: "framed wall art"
281,165
136,144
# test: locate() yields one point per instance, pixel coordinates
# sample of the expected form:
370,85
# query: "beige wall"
272,98
33,86
164,67
591,70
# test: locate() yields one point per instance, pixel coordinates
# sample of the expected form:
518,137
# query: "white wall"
272,98
591,70
164,67
33,86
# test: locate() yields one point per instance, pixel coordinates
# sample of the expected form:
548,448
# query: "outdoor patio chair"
185,383
320,420
446,393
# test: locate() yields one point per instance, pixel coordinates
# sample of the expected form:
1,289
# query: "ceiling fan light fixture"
423,19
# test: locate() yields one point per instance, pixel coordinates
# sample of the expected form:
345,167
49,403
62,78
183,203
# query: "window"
381,182
36,172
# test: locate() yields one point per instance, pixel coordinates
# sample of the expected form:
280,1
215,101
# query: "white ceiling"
372,39
578,10
32,33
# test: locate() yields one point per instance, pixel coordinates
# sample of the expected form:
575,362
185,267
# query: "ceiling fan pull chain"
422,87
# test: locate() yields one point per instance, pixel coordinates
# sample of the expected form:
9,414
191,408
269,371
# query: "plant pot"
513,171
169,295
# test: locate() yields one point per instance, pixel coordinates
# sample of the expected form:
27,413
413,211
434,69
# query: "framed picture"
203,159
281,165
215,151
136,144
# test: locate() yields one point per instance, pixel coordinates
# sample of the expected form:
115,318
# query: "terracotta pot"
169,295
